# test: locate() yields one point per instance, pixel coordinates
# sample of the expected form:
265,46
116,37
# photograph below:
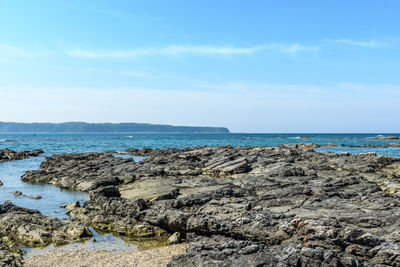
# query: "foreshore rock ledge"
21,227
243,206
9,155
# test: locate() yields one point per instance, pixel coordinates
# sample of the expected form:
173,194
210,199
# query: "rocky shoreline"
242,206
21,227
9,155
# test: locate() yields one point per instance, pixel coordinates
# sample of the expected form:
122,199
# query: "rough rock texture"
146,151
9,155
117,215
244,206
28,228
82,172
384,137
9,258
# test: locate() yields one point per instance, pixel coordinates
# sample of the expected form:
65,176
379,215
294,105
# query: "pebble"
99,258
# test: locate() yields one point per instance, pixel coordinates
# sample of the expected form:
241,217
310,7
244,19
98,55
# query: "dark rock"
9,155
28,228
82,172
222,251
8,257
146,151
108,191
141,204
243,206
17,193
117,215
1,184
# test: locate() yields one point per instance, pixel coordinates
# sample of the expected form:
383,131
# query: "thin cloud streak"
370,43
168,50
293,48
180,50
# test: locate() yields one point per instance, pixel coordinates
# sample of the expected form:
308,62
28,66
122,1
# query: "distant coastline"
83,127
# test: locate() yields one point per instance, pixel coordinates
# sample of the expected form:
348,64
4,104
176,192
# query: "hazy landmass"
83,127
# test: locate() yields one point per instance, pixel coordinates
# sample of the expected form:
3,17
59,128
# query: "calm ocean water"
53,197
62,143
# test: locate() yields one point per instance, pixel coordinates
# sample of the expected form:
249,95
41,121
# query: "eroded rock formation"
21,227
244,206
9,155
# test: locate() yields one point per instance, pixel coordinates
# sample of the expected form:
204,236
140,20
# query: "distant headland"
83,127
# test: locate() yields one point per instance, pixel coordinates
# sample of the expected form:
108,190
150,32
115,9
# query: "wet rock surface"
21,227
9,155
117,215
244,206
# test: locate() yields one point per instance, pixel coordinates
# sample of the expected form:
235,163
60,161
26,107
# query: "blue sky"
252,66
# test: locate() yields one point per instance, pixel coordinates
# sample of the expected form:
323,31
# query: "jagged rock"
9,258
82,172
243,206
394,144
108,191
117,215
9,155
28,228
146,151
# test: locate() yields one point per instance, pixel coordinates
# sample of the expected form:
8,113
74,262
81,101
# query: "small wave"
7,140
130,136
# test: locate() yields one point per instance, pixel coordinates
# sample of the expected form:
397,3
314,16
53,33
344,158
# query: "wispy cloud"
180,49
293,48
167,50
370,43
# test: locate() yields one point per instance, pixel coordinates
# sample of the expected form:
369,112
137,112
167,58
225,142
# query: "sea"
53,197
